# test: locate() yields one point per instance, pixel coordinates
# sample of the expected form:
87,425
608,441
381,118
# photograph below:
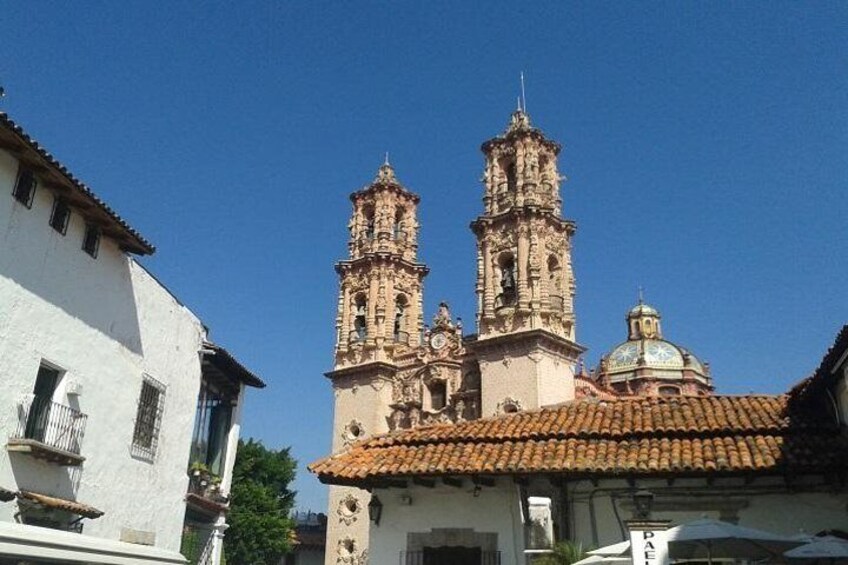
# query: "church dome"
643,309
649,364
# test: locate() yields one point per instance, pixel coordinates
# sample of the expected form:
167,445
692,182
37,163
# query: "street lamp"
375,510
643,501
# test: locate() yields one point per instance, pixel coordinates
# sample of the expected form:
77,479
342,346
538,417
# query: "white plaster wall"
769,506
495,510
106,322
537,379
367,402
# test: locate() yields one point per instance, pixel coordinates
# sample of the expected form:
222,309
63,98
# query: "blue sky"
705,145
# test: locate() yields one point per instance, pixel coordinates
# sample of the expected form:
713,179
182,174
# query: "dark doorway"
452,555
39,410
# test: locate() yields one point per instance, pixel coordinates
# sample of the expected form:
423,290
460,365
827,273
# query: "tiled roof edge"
142,247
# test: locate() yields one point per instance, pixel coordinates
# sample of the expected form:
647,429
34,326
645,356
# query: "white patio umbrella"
621,548
601,560
827,549
708,539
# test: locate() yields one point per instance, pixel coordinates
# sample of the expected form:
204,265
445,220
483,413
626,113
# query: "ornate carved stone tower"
525,284
379,319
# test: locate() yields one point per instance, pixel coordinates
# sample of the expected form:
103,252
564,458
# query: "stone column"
523,257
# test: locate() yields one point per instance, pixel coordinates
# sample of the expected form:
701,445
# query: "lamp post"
643,501
375,510
648,545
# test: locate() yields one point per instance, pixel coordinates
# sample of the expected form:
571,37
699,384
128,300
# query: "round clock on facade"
438,340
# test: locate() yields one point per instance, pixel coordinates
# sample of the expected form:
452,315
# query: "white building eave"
33,542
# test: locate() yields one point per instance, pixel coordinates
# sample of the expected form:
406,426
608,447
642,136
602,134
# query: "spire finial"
386,162
522,105
641,295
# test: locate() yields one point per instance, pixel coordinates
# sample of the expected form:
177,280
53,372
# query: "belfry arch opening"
399,233
368,213
360,317
506,267
399,330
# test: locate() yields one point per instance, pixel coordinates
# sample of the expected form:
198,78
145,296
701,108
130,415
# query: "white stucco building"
109,386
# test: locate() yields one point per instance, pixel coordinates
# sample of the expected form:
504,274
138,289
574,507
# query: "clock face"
438,340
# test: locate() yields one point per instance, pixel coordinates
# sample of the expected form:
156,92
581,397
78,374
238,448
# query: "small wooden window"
60,216
91,241
24,190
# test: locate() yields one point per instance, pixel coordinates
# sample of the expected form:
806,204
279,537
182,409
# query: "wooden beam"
421,482
483,481
452,482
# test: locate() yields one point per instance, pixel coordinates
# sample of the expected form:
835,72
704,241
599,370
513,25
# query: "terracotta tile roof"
130,239
229,365
61,504
809,390
631,436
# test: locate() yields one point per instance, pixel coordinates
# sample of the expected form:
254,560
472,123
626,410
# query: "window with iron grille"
24,190
91,241
61,215
148,418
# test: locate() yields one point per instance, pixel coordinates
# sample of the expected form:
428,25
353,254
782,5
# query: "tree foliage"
260,529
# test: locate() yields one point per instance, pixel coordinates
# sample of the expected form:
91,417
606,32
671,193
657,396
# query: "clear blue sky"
705,144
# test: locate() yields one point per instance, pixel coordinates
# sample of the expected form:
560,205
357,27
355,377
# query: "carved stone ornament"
353,431
346,552
349,509
508,405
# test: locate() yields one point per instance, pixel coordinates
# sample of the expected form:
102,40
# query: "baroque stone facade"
392,371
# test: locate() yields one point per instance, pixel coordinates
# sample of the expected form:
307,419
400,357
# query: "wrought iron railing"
402,337
50,423
196,544
437,556
505,299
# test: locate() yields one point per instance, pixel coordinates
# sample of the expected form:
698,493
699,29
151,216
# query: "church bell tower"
379,318
525,284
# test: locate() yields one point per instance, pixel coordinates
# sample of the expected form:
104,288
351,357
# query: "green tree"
260,530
